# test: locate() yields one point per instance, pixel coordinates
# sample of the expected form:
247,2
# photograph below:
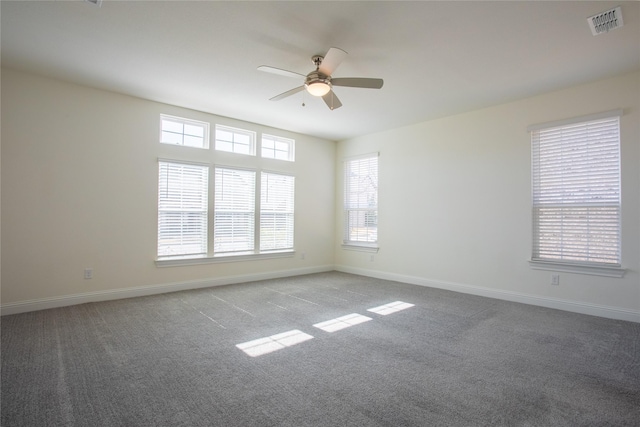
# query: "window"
182,209
275,147
234,213
576,191
234,140
361,201
179,131
246,213
276,211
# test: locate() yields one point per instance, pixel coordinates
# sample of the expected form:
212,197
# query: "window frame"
184,122
229,249
235,131
290,152
569,205
203,211
288,212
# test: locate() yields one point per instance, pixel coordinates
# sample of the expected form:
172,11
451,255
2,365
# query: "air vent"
605,21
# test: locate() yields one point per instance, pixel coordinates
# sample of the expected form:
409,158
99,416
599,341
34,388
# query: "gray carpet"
449,360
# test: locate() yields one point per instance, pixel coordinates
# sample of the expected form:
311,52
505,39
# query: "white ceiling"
436,58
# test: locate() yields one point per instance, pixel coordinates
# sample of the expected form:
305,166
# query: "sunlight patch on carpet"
392,307
342,322
273,343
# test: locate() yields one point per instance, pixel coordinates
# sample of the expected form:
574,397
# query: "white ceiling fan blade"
331,60
274,70
332,100
358,82
287,93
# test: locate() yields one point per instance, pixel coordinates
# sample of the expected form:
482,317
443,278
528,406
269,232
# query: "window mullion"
256,213
211,214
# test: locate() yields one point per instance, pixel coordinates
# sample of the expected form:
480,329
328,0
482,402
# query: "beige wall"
79,190
454,202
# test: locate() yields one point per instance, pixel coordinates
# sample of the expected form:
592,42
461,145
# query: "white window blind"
180,131
234,213
576,192
182,209
361,200
276,211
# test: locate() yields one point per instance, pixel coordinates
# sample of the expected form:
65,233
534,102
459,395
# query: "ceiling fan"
319,82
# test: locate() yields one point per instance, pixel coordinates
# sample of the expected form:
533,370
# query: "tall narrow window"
182,209
361,201
576,191
234,213
276,211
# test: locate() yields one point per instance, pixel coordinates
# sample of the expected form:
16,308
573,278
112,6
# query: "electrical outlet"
303,255
88,273
555,279
372,259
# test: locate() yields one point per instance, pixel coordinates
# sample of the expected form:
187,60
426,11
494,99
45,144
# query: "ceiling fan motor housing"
317,77
317,83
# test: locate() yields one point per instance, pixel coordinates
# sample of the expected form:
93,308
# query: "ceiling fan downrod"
317,60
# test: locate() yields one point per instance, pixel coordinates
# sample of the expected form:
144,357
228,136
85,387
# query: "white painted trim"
570,121
361,248
361,156
180,261
555,303
594,270
85,297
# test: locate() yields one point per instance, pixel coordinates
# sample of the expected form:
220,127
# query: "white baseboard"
572,306
559,304
63,301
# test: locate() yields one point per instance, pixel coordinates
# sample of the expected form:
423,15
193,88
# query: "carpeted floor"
442,359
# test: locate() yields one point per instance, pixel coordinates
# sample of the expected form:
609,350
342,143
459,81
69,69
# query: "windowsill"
361,248
594,270
236,257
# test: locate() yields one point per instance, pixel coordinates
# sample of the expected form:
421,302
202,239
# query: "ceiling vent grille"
605,21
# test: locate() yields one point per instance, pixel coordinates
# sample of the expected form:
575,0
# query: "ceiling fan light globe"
318,88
